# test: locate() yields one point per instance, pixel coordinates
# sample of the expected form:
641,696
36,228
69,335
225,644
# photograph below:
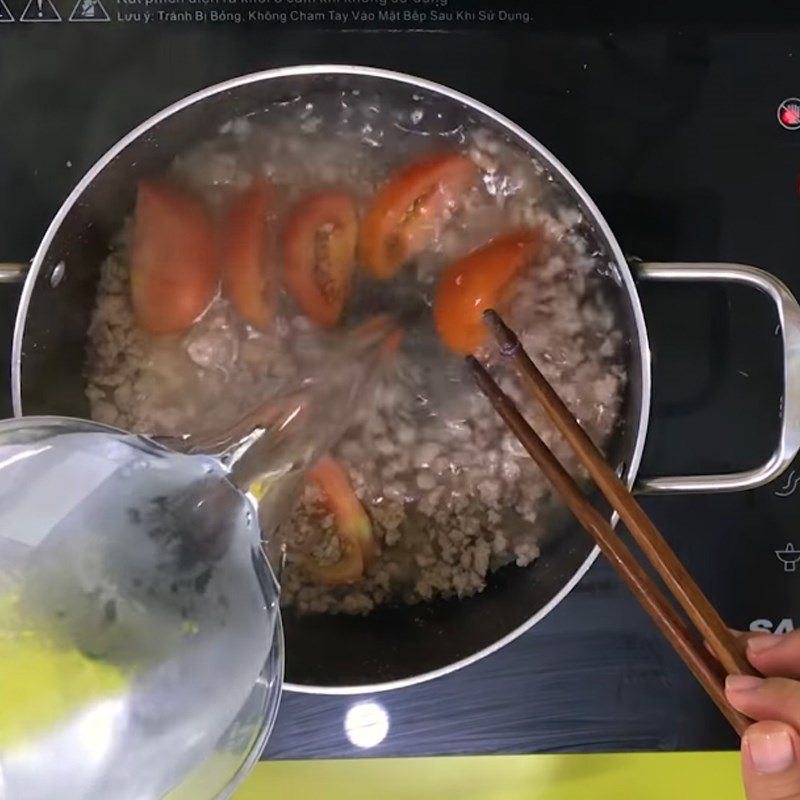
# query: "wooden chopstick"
641,584
679,582
709,673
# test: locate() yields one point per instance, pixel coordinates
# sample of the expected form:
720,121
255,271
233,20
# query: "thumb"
771,762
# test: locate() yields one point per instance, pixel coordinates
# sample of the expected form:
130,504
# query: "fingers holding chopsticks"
774,654
771,746
771,762
765,698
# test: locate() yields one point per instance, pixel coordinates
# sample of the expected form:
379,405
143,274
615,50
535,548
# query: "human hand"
771,746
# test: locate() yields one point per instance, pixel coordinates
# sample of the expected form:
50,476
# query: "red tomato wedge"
348,569
174,273
319,254
410,210
352,522
248,277
477,282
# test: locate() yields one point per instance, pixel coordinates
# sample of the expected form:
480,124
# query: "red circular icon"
789,113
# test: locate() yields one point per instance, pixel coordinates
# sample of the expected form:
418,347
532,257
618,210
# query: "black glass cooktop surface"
672,125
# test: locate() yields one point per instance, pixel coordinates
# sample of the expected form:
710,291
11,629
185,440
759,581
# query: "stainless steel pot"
392,647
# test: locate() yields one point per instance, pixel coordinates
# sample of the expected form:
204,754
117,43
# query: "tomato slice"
410,210
348,569
319,252
352,523
248,277
174,272
477,282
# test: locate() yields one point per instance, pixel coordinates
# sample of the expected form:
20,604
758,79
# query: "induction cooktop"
685,128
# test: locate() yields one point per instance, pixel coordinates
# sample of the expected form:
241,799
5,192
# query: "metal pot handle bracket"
13,273
789,316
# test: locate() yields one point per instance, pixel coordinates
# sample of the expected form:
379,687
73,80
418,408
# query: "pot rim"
631,468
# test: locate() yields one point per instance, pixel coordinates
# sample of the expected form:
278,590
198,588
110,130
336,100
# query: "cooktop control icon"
89,11
788,557
790,486
40,11
789,113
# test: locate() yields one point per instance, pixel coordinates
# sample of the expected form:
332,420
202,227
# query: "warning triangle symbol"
88,11
40,11
5,14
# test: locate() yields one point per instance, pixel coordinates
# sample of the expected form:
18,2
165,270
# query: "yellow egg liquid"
44,683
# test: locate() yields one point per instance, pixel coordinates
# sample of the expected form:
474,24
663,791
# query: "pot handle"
789,316
13,273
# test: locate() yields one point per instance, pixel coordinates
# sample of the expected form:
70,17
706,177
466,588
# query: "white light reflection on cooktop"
366,724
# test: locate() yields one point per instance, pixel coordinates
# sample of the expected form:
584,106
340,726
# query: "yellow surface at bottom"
648,776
